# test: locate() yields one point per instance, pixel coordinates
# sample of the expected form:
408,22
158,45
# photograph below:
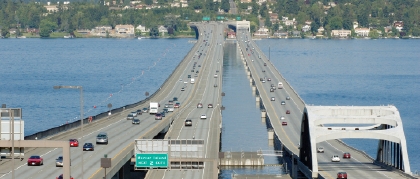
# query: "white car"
134,114
203,116
320,150
273,99
335,158
215,75
171,109
282,118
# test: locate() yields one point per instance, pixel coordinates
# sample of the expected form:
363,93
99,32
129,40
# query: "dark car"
163,114
287,111
61,177
165,110
346,155
175,99
158,116
341,175
265,64
88,147
139,112
145,110
135,121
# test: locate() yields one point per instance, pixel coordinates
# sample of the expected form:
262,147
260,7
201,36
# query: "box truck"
154,107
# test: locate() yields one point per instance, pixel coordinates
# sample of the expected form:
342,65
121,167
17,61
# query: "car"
175,99
189,76
265,64
170,102
176,105
288,98
284,123
185,82
188,122
263,70
196,75
74,143
272,85
145,110
263,81
158,116
282,118
192,70
271,90
196,71
215,75
283,103
61,177
269,79
102,138
171,109
163,114
335,158
199,65
273,99
59,161
341,175
182,89
320,150
203,116
135,121
134,113
88,147
35,160
346,155
165,110
287,111
199,105
130,117
139,112
210,106
215,85
217,71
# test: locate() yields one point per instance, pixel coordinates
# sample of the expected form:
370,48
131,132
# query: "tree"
336,23
275,27
154,32
314,27
148,2
374,34
416,31
46,27
225,5
5,32
347,24
267,22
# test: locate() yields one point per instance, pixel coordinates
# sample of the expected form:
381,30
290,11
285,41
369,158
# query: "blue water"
116,71
355,72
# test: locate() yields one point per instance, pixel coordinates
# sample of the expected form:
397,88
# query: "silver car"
130,117
59,161
102,138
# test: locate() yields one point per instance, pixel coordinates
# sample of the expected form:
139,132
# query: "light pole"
81,113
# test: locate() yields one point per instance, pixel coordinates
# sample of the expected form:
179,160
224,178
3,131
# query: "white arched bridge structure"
323,123
237,25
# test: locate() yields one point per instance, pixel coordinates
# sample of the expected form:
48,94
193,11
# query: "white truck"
154,107
192,80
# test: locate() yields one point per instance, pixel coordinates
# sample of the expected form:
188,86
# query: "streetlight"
81,113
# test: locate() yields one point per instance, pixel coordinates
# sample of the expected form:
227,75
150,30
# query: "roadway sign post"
152,160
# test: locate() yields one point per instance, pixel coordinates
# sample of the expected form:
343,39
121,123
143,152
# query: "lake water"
120,71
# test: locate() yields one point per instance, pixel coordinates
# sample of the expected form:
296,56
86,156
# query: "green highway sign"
152,160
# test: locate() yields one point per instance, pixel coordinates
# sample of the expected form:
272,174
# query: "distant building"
399,25
101,30
142,28
321,29
306,28
280,34
355,25
124,29
362,32
341,33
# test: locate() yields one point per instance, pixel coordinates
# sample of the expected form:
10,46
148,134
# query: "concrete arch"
386,127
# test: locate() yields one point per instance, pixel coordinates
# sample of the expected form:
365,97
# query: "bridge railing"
75,124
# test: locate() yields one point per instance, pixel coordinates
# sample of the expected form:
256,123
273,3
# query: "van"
102,138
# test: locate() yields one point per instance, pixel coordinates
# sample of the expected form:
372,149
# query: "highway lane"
207,129
121,132
359,166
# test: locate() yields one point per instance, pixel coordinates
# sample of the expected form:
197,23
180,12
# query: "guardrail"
75,124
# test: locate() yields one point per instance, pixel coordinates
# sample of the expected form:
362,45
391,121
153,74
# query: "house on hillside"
362,32
306,28
124,30
341,33
399,25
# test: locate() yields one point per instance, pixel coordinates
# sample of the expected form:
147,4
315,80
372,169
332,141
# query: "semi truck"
154,107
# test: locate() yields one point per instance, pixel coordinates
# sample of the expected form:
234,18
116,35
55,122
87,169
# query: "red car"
346,155
61,177
176,105
284,123
74,143
35,160
341,175
287,111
